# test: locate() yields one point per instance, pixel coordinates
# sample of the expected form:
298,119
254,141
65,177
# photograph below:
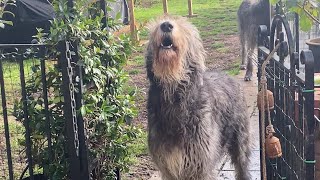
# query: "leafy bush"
107,104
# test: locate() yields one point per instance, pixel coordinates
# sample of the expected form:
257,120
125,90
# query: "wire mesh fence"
17,64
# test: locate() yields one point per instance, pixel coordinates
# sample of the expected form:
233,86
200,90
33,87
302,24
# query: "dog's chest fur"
180,141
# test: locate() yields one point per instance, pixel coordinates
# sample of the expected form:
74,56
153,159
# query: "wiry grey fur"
251,14
194,120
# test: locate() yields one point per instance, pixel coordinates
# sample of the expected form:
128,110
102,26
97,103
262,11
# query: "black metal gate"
15,68
290,76
16,63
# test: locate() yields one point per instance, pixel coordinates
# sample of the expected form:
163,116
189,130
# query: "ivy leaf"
96,71
83,110
8,12
39,136
118,16
109,9
11,4
291,3
61,7
305,23
295,9
315,12
273,2
58,99
6,22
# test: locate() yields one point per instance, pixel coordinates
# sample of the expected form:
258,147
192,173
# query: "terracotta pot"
314,46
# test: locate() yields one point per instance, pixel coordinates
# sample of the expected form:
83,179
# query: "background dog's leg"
249,66
243,51
239,151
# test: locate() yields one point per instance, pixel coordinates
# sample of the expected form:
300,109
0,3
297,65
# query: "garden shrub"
107,106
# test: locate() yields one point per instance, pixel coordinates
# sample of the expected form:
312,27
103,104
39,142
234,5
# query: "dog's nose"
166,27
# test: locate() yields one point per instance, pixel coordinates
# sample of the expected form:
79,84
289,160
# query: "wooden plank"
133,27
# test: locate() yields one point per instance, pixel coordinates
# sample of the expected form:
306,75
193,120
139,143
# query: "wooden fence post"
165,6
133,27
190,9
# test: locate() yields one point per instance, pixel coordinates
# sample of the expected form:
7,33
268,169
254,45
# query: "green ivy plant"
5,3
107,104
308,11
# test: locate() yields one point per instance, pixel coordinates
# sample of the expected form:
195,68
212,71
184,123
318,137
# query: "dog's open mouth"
166,43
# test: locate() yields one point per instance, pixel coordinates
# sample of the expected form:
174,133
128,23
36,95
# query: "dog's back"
251,14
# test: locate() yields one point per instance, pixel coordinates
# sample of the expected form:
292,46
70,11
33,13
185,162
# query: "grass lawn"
214,16
216,21
11,75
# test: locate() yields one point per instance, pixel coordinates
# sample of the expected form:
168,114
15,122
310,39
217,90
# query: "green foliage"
5,12
305,23
234,70
217,45
274,2
37,123
221,22
108,106
307,10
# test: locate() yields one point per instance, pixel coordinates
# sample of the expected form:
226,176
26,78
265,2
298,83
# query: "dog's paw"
243,67
247,78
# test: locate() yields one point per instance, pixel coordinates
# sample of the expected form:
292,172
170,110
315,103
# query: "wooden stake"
190,9
165,6
133,27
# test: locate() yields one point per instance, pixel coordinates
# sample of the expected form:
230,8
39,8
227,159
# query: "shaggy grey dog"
193,116
251,14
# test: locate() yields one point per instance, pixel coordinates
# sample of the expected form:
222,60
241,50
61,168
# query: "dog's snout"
166,27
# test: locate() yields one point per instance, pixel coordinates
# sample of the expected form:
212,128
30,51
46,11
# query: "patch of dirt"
142,171
217,58
225,57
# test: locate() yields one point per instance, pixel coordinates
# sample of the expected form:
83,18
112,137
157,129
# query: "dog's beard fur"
168,66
